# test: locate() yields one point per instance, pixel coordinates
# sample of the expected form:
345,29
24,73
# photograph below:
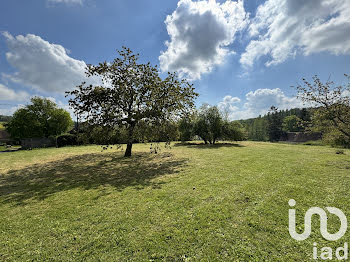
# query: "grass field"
227,202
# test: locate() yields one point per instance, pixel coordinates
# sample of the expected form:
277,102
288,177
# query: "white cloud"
9,111
80,2
283,28
200,33
258,103
7,94
41,65
231,100
227,105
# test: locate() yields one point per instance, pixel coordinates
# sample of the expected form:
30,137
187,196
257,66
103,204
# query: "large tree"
333,105
208,124
274,124
131,93
41,118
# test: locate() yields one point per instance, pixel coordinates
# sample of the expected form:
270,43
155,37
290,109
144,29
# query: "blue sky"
241,56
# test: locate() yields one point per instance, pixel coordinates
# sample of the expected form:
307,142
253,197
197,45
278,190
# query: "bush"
67,140
233,131
336,139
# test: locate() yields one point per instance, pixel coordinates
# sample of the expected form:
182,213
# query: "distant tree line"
5,118
329,115
274,125
134,104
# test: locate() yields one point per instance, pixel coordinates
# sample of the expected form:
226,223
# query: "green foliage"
208,124
67,140
233,131
332,116
274,125
131,94
257,128
292,123
41,118
186,128
335,138
5,118
159,131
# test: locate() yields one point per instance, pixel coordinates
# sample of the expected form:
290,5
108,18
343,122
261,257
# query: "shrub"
336,139
67,140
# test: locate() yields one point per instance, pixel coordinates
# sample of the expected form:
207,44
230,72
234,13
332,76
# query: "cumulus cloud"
7,94
200,33
258,102
80,2
228,104
283,28
10,110
42,65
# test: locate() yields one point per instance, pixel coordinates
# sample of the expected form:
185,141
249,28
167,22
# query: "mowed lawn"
227,202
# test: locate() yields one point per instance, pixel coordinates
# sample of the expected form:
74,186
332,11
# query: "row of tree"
209,125
5,118
133,103
329,115
42,118
262,128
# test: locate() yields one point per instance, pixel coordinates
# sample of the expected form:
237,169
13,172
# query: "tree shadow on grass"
207,146
87,171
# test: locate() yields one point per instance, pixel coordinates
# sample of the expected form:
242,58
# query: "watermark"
326,253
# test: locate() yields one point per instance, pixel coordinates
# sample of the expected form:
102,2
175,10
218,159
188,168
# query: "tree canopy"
41,118
210,125
274,124
332,115
292,123
131,93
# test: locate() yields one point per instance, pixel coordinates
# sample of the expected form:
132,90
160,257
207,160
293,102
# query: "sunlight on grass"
191,202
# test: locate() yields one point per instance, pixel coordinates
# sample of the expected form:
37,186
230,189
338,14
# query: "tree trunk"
130,139
128,150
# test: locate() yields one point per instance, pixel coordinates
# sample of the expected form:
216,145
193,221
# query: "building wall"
29,143
4,136
303,137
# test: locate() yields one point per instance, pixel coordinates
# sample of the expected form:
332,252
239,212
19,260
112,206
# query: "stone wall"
29,143
4,137
302,137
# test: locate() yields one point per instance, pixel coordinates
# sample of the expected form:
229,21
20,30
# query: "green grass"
12,148
2,125
227,202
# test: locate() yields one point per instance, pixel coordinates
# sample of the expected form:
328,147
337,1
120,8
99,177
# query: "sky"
243,56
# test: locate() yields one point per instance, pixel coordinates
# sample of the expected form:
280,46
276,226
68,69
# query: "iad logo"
323,222
326,252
